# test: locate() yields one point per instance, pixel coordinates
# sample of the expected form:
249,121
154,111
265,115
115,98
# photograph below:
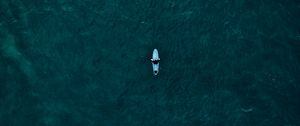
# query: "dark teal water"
87,63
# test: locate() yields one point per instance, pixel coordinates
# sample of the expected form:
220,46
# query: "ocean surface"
87,63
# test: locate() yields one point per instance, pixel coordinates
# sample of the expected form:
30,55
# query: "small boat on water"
155,62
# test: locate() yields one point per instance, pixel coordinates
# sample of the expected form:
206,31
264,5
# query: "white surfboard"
155,61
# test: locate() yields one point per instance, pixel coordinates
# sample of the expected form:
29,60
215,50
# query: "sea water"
87,63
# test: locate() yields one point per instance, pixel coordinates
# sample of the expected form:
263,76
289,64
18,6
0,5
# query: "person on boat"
155,61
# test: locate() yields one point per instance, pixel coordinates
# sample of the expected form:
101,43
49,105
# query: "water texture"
87,63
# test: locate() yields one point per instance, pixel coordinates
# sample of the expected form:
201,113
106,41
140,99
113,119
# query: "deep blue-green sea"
87,63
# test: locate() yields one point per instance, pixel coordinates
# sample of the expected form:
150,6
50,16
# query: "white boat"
155,62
